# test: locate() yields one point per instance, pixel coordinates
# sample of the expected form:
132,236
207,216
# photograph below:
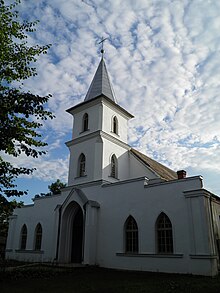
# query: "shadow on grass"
92,279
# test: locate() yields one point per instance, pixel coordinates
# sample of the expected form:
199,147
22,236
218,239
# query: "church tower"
99,149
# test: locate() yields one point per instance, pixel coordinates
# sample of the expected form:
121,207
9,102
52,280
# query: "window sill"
29,251
171,255
113,177
202,256
84,131
115,133
80,177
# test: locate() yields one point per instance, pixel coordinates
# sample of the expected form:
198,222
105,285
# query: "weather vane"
102,49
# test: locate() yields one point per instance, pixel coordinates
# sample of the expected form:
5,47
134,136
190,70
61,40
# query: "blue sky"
163,58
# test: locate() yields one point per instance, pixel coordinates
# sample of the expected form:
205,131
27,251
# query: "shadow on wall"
2,246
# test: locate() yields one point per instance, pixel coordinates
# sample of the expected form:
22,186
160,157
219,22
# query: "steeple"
99,131
100,84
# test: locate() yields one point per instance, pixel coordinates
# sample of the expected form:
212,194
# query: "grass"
96,280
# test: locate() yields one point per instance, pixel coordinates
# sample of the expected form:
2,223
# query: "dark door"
76,256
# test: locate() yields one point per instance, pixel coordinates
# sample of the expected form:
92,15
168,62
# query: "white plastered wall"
43,212
145,203
109,111
92,149
94,112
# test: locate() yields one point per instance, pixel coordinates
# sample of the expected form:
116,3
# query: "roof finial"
102,49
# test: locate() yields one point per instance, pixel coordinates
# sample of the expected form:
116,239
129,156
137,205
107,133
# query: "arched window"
23,237
38,237
82,165
114,167
164,234
115,125
131,235
85,122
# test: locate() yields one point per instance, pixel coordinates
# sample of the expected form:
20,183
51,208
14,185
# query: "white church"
121,209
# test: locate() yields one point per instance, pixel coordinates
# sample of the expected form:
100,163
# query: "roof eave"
101,96
168,177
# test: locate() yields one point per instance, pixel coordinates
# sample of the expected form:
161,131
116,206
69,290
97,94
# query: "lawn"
42,279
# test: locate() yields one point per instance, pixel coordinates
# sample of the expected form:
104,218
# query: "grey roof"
100,84
161,170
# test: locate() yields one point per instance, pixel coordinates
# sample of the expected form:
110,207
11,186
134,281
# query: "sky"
163,58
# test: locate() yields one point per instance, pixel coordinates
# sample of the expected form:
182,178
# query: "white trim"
97,133
155,255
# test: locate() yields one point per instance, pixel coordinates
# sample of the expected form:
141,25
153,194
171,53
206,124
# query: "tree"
56,187
21,112
6,210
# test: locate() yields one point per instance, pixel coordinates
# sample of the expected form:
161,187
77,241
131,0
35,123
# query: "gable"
162,171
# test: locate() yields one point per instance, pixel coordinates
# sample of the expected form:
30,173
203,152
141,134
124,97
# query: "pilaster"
91,232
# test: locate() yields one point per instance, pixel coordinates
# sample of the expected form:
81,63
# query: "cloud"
163,60
47,168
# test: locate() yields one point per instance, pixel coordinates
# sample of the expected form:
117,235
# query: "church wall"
215,209
137,169
43,212
216,217
108,114
145,204
117,201
94,112
128,166
92,149
121,153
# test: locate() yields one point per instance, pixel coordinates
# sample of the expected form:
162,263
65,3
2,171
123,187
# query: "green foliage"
6,210
56,187
21,112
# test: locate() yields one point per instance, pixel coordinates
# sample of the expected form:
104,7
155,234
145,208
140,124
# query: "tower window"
131,235
114,167
85,122
115,125
38,237
164,234
82,166
23,237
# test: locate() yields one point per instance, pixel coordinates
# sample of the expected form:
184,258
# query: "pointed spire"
100,84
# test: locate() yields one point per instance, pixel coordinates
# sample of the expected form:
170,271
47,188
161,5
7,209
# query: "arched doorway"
77,237
71,236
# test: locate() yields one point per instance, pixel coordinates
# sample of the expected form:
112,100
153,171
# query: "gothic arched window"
114,167
85,122
23,237
82,165
131,235
115,125
164,234
38,237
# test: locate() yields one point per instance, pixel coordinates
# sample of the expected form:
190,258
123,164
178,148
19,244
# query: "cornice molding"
100,134
100,99
197,193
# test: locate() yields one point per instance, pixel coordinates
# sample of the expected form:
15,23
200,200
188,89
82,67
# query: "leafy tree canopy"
6,210
54,188
21,112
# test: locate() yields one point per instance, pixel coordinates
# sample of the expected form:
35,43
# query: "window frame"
114,167
115,125
23,237
82,165
38,237
85,122
131,236
164,235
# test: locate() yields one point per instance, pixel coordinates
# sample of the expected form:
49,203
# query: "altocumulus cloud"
164,63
